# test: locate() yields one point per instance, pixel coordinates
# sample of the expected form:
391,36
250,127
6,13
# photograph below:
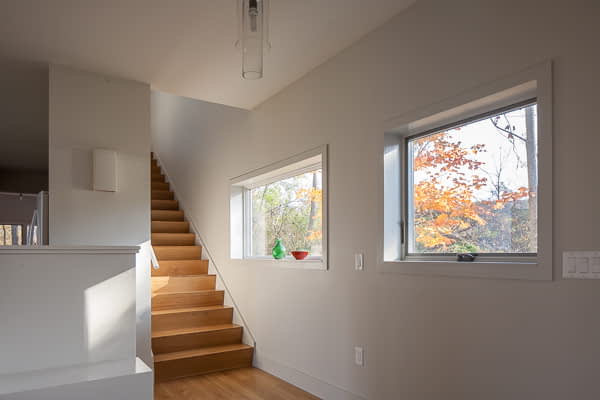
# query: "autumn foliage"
447,177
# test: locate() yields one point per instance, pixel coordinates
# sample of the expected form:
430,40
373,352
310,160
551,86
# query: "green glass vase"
278,250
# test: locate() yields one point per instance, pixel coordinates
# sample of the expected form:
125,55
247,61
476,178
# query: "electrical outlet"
359,261
359,356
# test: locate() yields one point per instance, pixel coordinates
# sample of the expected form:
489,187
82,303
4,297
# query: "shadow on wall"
81,169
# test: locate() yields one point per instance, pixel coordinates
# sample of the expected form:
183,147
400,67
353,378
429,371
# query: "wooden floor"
238,384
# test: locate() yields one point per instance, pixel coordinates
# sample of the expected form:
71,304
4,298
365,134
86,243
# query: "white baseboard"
304,381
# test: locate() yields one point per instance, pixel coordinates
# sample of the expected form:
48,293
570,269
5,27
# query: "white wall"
88,111
64,307
424,337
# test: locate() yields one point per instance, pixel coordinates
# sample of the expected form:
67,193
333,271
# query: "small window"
472,186
11,235
285,201
289,209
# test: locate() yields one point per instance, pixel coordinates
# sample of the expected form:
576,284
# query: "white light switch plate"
581,264
359,261
359,358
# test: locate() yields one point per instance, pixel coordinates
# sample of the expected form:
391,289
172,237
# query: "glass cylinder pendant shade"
252,24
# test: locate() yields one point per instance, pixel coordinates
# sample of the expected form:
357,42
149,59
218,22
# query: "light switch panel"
581,264
359,356
359,262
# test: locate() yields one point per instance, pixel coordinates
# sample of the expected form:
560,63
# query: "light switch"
581,264
359,358
595,264
359,262
572,265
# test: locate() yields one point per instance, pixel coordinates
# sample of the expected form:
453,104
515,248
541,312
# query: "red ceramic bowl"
300,255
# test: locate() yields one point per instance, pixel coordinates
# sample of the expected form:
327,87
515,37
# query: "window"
473,174
11,235
472,186
286,201
289,209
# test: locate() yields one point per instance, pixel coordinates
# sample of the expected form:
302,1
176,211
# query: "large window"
285,201
467,183
472,186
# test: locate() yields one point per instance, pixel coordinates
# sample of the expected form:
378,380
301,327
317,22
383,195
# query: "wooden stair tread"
172,235
179,283
170,227
164,204
199,291
161,246
181,268
162,195
159,185
199,329
182,276
195,294
200,352
185,252
173,239
188,309
166,215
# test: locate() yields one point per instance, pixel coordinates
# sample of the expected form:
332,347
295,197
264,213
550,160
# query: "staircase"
192,329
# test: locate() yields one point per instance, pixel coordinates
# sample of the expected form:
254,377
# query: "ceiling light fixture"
253,36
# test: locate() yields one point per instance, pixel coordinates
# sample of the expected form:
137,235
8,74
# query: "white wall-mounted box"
105,170
581,264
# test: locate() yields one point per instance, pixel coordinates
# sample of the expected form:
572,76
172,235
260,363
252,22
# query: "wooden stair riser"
177,252
192,330
157,177
169,284
164,205
169,301
174,369
181,267
173,239
167,215
170,227
159,186
197,340
161,195
192,319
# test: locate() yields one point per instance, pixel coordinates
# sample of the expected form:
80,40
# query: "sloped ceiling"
186,47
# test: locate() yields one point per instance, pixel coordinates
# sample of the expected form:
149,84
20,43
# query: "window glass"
289,209
473,187
11,235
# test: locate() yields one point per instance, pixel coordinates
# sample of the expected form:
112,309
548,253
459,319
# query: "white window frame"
241,213
533,83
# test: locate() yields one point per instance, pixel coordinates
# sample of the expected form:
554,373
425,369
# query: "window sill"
314,264
524,270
